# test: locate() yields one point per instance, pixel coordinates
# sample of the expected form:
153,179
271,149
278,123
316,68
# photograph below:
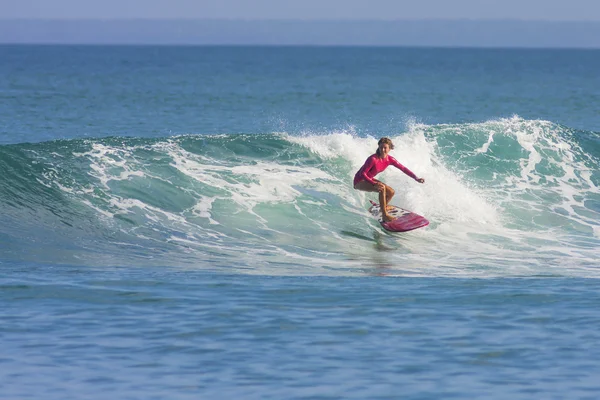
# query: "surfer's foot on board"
388,218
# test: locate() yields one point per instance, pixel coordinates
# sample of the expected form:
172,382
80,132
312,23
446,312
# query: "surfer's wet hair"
384,140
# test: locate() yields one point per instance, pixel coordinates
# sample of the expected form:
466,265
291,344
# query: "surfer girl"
376,163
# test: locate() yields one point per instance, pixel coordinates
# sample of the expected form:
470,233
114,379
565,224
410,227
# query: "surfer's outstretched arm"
407,171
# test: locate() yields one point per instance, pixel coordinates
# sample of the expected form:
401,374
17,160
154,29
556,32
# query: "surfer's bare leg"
383,196
383,202
389,193
366,186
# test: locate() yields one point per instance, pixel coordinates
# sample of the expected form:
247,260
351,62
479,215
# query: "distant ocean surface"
180,222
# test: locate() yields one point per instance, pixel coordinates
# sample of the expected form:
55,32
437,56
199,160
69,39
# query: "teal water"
179,222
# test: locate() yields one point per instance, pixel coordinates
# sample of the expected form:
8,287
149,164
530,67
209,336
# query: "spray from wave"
506,197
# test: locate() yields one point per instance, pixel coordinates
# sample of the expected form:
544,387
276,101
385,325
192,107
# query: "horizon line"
308,45
464,33
191,19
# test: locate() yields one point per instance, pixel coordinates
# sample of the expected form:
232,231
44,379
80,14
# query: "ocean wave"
497,193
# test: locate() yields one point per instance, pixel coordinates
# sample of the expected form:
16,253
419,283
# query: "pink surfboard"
405,220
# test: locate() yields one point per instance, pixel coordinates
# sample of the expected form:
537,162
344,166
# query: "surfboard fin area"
404,221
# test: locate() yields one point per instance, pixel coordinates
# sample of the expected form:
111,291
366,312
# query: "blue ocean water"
179,222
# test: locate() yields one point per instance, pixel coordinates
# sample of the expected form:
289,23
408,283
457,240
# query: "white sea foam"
477,221
529,203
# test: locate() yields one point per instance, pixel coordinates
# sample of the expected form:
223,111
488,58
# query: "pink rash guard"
375,165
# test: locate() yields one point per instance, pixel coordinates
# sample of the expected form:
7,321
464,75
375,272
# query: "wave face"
507,197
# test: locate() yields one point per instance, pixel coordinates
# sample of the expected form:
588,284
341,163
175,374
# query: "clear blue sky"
548,10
